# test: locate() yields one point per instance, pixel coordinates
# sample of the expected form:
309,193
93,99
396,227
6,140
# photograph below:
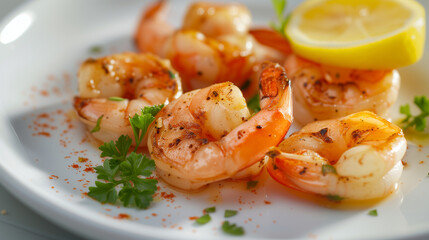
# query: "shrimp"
208,135
213,45
140,79
325,92
355,157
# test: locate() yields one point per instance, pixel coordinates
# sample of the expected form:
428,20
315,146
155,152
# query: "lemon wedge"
364,34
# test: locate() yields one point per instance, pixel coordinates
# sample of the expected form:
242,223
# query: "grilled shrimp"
212,46
324,92
138,80
208,135
355,157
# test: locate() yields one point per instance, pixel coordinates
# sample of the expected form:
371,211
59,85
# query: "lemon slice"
362,34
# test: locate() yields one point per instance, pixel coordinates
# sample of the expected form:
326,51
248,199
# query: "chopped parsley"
230,213
253,104
171,74
373,213
326,168
96,49
282,18
334,198
117,99
251,184
203,219
232,229
418,121
210,210
97,125
126,171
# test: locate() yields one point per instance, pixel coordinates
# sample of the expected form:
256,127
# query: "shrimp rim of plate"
138,80
204,157
359,160
325,92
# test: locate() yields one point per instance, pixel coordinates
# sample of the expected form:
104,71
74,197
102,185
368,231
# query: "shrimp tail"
153,29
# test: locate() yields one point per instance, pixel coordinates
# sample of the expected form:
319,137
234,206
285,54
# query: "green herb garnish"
251,184
253,104
96,49
117,99
171,74
203,219
282,19
326,168
373,213
334,198
230,213
232,229
126,170
210,210
97,125
419,121
140,123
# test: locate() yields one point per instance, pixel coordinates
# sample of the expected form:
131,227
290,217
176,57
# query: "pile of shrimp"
208,134
212,46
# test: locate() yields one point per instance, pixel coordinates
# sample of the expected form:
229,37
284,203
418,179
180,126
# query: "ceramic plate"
41,47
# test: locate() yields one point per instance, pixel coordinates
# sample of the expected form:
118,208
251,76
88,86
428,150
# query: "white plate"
39,58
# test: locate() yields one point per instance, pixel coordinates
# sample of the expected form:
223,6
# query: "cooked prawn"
355,157
325,92
213,46
140,79
208,135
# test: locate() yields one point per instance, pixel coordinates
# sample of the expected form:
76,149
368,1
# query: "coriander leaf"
251,184
422,103
203,219
103,192
210,210
97,125
106,172
230,213
253,104
326,168
116,99
232,229
117,150
373,213
130,196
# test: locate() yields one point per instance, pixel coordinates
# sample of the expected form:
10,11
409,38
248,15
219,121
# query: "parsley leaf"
97,125
116,99
140,123
203,219
253,104
232,229
117,150
103,192
251,184
209,210
230,213
334,198
373,213
326,168
126,170
282,19
419,121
